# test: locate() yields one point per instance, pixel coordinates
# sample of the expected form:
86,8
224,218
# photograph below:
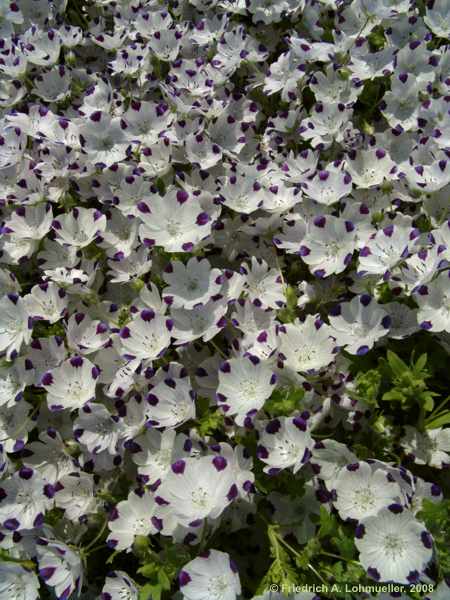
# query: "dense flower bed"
224,299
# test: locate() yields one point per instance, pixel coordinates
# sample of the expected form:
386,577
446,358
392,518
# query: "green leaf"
284,401
112,557
439,421
397,365
421,362
368,386
164,580
149,570
210,421
345,545
327,522
150,592
395,395
426,400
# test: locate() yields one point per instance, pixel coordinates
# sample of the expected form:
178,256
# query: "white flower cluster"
205,203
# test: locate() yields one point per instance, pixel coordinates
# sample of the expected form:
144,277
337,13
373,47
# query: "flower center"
394,546
218,587
201,498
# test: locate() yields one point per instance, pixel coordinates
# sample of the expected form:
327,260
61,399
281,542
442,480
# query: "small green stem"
435,412
87,549
331,555
216,347
99,547
298,555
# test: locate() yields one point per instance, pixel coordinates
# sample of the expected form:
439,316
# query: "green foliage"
209,419
281,571
289,313
159,569
409,383
436,517
377,39
43,329
284,401
27,564
210,422
368,386
327,523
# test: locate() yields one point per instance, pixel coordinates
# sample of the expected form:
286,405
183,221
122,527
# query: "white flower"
45,354
369,168
60,567
393,546
155,451
297,515
358,324
434,304
285,443
242,193
96,428
41,47
384,250
15,425
306,346
212,576
126,269
24,499
103,139
329,456
15,325
29,222
84,335
118,586
147,120
263,285
326,124
403,320
13,381
74,493
430,177
80,227
201,322
147,336
244,386
362,491
432,447
171,402
400,106
198,488
192,284
438,18
17,583
328,245
46,301
71,385
132,517
177,222
49,456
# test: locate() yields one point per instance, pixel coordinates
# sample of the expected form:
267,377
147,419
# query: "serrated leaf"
345,545
327,523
